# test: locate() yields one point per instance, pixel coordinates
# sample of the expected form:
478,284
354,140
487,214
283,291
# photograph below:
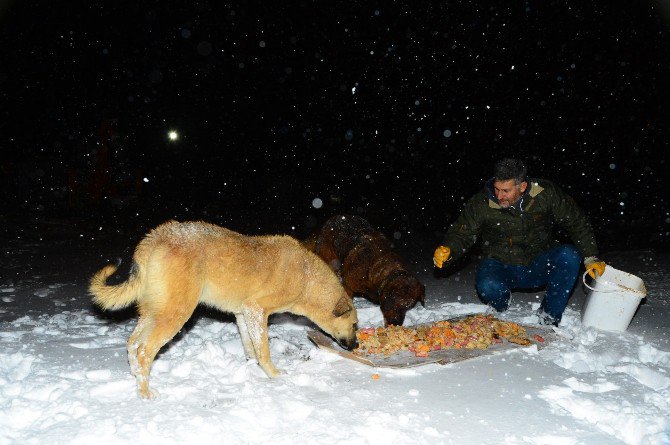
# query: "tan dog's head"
327,304
399,297
343,324
337,317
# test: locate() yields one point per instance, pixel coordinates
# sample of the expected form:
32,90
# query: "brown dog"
368,266
178,265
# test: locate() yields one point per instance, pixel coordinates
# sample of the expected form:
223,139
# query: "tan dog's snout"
348,343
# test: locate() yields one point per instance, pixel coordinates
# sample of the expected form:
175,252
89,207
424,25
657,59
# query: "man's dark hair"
509,168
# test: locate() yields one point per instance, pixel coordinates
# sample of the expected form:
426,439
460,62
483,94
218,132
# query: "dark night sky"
394,110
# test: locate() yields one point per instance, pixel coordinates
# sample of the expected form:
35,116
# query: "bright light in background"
173,135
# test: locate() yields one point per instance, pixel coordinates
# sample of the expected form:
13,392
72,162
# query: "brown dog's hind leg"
256,321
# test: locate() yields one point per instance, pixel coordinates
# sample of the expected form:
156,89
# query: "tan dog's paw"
271,371
147,393
143,389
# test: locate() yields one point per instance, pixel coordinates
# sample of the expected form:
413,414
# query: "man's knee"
493,292
568,255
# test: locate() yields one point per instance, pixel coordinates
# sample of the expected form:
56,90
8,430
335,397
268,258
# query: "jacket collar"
532,191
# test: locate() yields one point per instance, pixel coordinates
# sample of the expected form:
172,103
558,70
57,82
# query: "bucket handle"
606,282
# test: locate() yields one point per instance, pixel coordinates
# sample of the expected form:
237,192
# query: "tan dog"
178,265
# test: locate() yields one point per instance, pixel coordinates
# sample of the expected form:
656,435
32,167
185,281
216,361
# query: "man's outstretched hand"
442,254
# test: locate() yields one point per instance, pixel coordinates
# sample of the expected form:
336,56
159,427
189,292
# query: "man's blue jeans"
557,269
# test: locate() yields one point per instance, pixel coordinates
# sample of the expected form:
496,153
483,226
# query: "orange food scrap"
375,376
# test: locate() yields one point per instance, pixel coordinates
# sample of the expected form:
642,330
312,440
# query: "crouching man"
514,218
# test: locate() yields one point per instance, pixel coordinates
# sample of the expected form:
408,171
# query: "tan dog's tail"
118,296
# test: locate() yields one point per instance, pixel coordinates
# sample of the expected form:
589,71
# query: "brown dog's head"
399,296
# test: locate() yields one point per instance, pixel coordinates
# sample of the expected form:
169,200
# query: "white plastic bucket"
613,300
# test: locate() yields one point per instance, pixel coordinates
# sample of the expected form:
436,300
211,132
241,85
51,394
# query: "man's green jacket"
518,234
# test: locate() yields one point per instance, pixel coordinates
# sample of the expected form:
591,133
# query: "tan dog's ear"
342,307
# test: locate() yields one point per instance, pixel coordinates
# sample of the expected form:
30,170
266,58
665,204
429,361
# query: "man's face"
507,192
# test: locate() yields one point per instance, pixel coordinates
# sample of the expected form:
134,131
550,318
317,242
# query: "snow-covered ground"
64,378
